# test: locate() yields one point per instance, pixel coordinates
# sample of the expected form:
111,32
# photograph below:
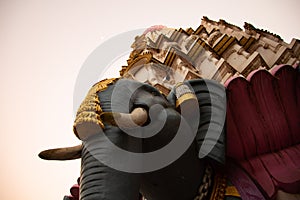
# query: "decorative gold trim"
170,57
162,89
147,56
102,85
90,110
219,189
218,192
204,188
232,191
249,42
185,97
199,30
227,44
221,43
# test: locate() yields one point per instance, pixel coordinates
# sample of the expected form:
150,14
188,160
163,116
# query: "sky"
43,46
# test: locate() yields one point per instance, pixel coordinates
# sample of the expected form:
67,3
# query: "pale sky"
43,45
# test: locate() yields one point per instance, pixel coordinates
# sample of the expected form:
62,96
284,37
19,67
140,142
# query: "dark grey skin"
179,180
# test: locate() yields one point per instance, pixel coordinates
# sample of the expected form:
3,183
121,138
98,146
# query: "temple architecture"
215,50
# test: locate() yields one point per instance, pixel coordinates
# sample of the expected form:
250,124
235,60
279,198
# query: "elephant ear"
210,137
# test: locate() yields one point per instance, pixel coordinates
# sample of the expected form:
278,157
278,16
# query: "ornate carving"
183,50
90,109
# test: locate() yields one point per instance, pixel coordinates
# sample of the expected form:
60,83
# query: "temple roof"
214,50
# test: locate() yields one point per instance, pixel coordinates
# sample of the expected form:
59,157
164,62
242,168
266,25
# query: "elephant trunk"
91,183
97,180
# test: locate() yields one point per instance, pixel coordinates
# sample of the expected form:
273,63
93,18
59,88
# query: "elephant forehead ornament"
164,121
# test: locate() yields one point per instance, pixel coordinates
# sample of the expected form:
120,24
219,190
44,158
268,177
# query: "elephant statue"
159,130
137,141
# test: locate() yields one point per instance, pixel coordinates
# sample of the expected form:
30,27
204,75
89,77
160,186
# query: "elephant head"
156,134
120,116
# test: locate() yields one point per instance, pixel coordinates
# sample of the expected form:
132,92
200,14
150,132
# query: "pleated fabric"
263,128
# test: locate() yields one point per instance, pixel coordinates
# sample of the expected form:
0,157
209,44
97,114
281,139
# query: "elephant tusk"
66,153
136,118
139,116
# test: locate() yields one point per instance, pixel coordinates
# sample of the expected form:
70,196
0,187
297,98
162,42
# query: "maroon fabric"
241,140
74,193
275,171
263,127
247,189
289,93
